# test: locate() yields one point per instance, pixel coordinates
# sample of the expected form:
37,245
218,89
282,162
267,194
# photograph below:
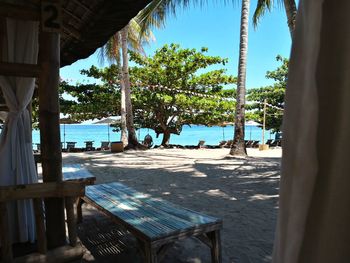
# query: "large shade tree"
169,92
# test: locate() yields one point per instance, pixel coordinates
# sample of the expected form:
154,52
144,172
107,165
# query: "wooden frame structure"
69,30
67,191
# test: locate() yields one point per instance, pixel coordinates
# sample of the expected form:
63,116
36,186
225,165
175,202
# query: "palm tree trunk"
291,12
132,138
238,147
124,133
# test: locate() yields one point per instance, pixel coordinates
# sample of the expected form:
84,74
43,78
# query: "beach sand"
241,191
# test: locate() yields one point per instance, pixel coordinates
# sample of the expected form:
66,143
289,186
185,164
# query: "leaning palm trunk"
124,133
132,139
238,146
291,12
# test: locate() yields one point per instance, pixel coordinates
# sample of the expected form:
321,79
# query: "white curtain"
16,155
314,217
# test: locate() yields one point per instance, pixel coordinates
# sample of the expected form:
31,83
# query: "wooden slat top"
77,172
153,217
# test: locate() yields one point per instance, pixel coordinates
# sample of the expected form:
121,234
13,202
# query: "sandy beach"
241,191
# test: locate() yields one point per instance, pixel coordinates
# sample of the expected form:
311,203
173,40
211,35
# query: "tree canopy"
169,92
92,100
274,95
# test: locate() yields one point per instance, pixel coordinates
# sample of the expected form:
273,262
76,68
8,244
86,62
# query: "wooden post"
71,221
49,60
6,244
264,123
40,225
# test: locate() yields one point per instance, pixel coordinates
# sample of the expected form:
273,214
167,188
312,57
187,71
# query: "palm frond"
261,7
111,50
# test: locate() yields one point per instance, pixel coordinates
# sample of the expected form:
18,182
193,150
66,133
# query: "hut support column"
49,60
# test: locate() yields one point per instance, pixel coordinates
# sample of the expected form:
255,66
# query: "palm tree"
238,146
266,5
131,37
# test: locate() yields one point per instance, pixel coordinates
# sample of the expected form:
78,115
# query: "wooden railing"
37,192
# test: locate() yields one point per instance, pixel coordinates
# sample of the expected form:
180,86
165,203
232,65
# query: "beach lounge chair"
70,146
255,144
104,146
222,144
228,144
269,142
248,143
276,143
89,146
201,144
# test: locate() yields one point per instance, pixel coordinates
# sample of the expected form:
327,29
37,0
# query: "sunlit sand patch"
261,197
217,192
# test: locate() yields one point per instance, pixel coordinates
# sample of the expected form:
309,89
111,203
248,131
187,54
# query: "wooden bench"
156,223
37,192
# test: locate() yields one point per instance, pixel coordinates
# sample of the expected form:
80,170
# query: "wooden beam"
49,60
20,70
19,12
41,190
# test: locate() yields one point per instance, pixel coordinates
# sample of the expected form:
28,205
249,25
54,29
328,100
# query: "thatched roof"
87,24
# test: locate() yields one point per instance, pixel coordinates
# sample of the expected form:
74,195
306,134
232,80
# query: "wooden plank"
21,70
19,12
175,217
167,207
5,239
61,254
71,221
40,225
41,190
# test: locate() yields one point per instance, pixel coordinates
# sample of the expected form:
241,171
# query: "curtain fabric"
314,217
16,155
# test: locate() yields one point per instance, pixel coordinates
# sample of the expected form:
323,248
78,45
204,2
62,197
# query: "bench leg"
149,252
216,246
79,210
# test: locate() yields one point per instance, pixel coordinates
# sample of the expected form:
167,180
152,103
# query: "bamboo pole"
49,60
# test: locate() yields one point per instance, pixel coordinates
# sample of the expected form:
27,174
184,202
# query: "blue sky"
216,26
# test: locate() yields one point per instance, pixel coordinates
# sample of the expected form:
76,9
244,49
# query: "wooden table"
156,223
76,172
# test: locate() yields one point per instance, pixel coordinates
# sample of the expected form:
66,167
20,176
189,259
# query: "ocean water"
189,135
